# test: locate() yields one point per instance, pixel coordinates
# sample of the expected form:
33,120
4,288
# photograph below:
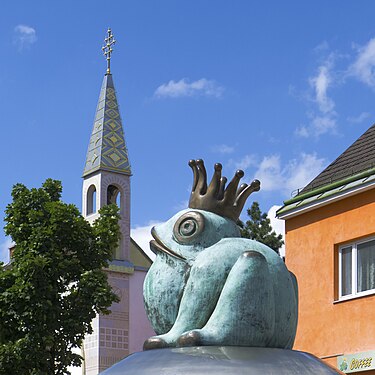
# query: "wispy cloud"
244,163
320,83
269,173
24,36
321,47
299,172
360,118
323,119
319,125
295,174
184,88
363,67
222,149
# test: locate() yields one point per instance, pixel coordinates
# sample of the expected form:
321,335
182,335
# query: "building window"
357,269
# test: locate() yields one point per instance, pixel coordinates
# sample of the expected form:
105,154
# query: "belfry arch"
91,200
115,196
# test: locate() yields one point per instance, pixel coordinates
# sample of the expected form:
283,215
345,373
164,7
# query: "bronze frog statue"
209,286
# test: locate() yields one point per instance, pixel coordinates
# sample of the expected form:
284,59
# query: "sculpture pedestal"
220,360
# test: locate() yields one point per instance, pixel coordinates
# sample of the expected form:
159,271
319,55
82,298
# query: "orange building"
330,247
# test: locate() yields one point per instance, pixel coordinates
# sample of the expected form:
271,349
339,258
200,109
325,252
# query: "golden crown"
227,202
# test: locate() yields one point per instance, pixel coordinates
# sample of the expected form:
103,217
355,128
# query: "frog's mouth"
157,245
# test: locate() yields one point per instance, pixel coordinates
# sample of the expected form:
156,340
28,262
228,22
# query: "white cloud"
222,149
298,173
142,236
269,173
295,174
24,36
323,118
4,249
244,163
318,126
302,131
323,124
184,88
360,118
320,84
277,225
363,67
322,47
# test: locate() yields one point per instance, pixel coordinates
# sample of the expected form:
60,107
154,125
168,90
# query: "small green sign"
356,362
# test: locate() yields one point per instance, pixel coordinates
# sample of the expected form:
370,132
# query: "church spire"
107,149
106,180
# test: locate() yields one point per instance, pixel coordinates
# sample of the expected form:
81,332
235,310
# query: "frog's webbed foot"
167,340
191,338
155,342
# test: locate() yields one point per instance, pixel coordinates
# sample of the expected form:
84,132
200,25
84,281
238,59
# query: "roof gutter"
323,202
331,186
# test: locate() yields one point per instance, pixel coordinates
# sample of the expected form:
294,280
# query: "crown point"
200,162
192,163
255,185
218,167
240,173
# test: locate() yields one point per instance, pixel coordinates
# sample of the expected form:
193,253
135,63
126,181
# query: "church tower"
106,179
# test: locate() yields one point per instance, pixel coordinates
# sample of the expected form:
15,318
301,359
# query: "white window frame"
355,292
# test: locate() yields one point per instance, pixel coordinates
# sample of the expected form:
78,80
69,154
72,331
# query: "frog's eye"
188,227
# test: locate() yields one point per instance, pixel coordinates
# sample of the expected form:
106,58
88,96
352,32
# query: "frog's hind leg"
245,312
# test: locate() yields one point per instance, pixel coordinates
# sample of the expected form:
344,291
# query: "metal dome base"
220,360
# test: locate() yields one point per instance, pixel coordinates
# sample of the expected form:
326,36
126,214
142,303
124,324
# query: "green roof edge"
330,186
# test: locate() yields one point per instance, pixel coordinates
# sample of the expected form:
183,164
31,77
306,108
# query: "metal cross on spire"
107,48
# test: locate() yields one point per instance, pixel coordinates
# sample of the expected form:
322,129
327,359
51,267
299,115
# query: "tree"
259,228
55,284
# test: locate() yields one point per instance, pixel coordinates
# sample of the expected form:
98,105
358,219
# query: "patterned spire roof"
107,149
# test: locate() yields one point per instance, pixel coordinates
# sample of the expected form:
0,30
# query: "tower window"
114,196
91,200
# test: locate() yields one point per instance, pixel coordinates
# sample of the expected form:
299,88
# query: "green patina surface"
215,288
107,149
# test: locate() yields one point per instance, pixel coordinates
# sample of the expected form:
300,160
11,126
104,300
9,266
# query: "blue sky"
279,89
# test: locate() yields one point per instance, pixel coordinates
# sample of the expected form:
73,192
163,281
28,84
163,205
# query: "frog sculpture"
209,286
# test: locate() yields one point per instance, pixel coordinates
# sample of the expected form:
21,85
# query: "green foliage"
55,284
259,228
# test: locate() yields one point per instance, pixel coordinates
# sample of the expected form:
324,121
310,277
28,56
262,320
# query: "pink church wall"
139,325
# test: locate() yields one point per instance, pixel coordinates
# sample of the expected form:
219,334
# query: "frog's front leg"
245,312
199,299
